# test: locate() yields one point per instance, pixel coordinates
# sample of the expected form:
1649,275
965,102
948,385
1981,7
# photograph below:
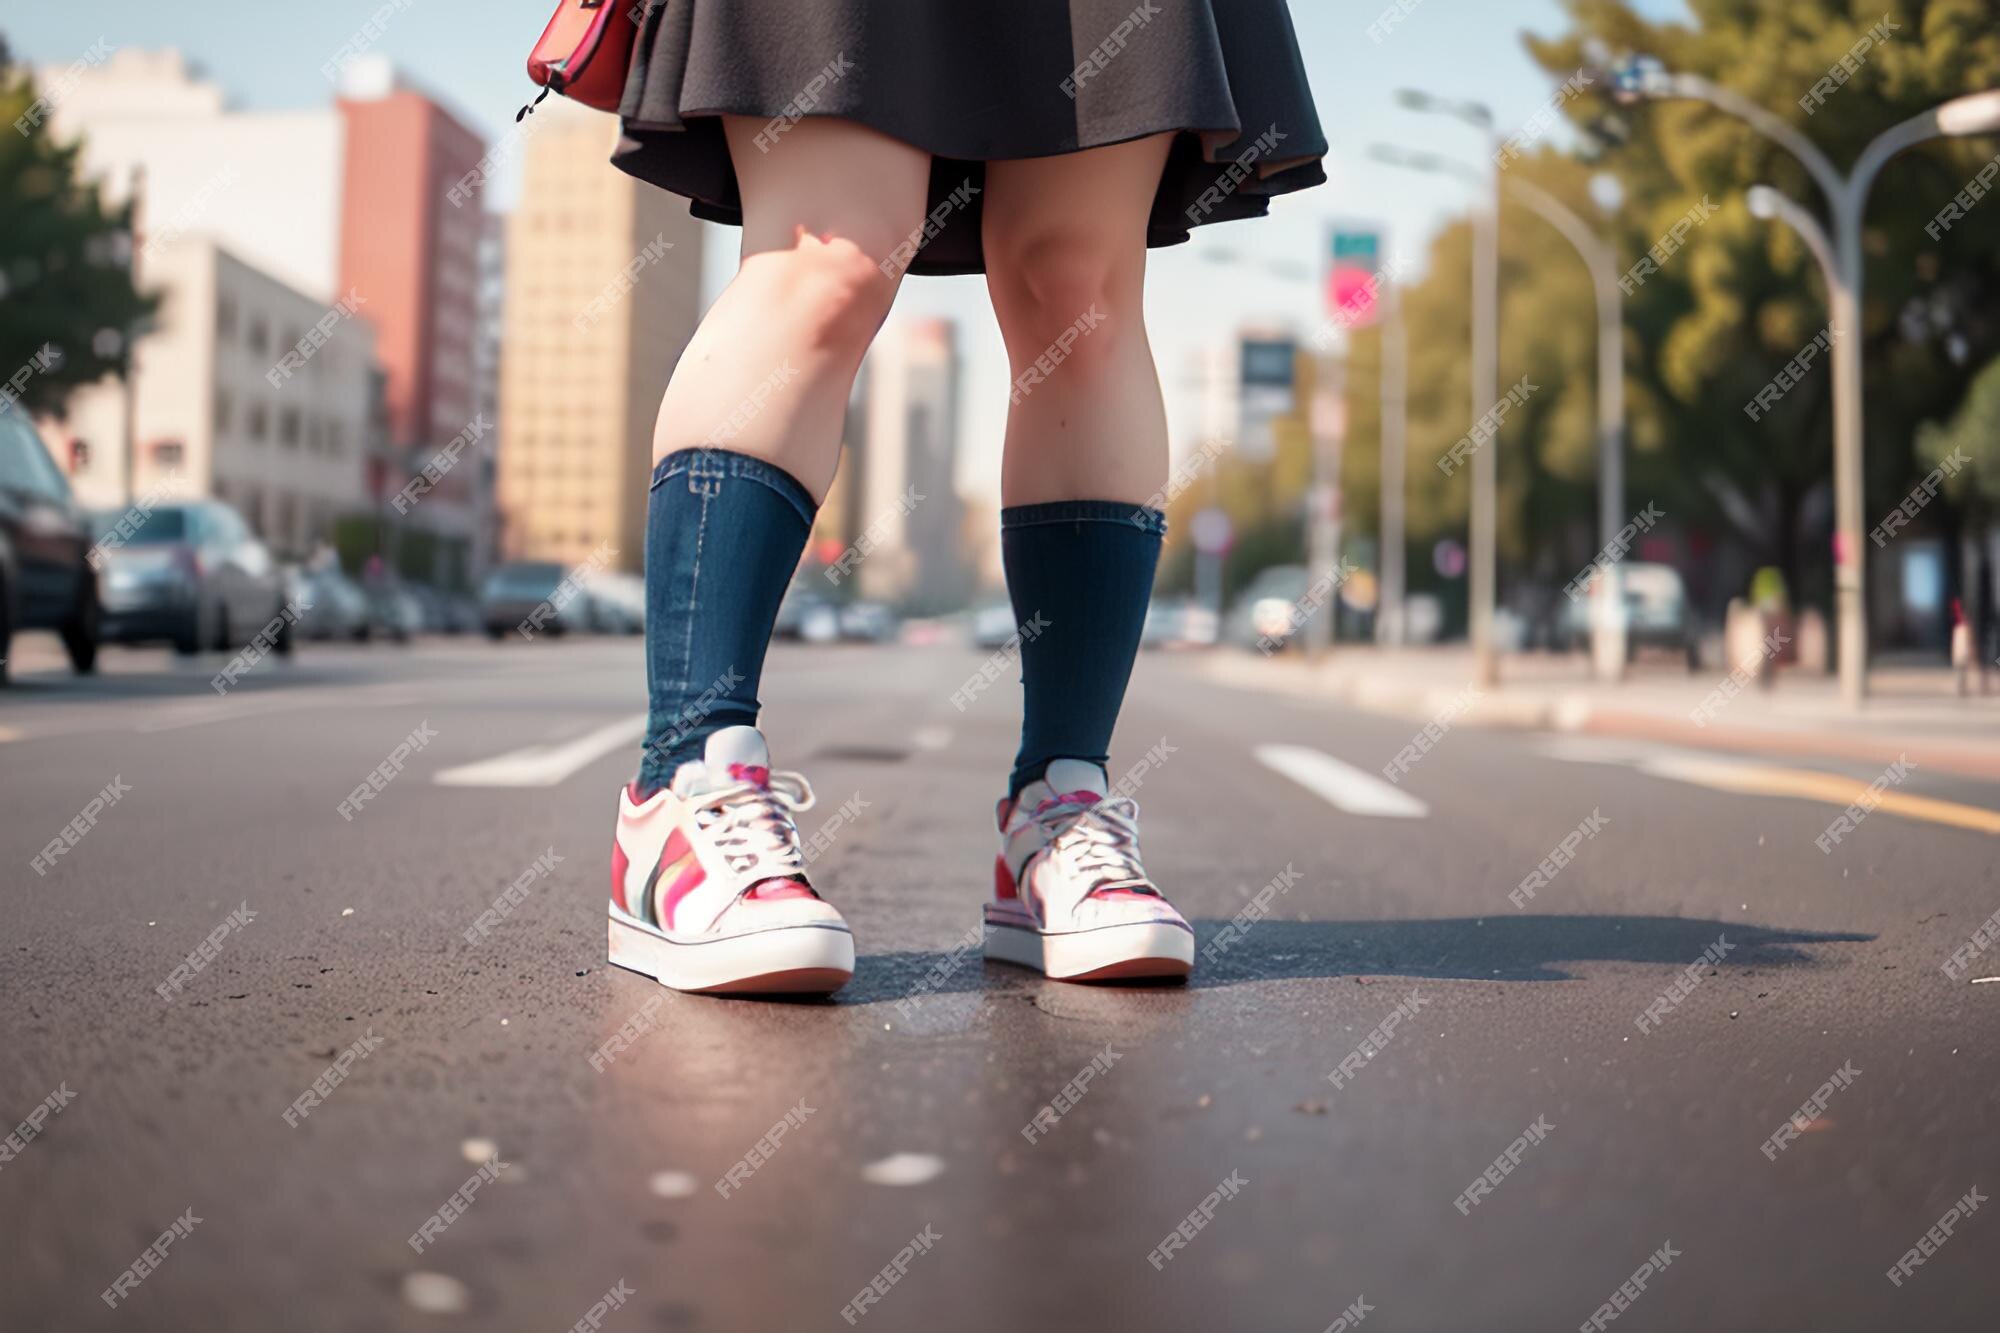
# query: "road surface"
1612,1056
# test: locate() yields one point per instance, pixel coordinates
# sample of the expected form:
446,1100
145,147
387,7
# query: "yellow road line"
1829,787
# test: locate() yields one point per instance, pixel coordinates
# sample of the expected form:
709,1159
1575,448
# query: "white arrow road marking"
1342,786
545,765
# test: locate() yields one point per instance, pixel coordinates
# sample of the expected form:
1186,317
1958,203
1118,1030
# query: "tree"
1720,320
67,300
1967,448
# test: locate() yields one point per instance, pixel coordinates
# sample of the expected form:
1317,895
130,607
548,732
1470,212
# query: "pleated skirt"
973,81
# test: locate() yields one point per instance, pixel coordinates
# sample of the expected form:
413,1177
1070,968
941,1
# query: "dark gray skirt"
970,81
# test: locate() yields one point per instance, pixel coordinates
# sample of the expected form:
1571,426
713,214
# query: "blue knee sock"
1080,574
724,532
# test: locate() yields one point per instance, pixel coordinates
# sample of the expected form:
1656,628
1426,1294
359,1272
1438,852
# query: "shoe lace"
749,820
1100,840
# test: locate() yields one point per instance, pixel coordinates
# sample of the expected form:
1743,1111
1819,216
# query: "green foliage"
1722,316
1726,311
1973,434
67,300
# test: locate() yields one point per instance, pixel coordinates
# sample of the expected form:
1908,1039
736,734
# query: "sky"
470,55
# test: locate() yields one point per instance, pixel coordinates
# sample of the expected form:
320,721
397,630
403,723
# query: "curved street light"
1844,264
1601,259
1485,377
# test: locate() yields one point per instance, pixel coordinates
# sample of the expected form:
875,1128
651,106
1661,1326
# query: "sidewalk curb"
1572,711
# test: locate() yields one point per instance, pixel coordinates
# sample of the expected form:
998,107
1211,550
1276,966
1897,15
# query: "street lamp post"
129,387
1389,623
1607,637
1323,533
1842,260
1485,372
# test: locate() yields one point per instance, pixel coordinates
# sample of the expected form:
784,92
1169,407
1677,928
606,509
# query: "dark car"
807,616
1655,612
530,593
329,604
192,573
867,622
47,580
445,612
395,611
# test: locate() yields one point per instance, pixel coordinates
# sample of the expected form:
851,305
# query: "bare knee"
835,287
1069,288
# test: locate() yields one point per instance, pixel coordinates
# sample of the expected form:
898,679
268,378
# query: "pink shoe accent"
676,859
1003,880
777,890
756,774
1067,798
620,864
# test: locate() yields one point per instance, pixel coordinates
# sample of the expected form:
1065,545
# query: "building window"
334,444
224,409
260,336
288,427
167,455
225,316
260,422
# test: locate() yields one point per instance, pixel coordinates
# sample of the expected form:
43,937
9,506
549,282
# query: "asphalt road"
616,1107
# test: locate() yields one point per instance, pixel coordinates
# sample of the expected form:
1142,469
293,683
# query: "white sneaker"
1070,897
708,885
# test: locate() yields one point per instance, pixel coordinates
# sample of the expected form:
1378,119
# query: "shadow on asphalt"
1526,948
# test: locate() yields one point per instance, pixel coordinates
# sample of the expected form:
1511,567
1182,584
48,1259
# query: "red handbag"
585,52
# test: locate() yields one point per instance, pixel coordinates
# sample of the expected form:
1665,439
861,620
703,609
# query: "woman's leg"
749,430
1086,442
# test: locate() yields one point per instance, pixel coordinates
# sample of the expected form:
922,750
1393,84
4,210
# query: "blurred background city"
415,346
1578,606
397,335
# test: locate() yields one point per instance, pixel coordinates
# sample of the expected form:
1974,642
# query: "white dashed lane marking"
545,765
1343,786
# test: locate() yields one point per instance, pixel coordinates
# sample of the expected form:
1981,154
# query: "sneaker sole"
1108,953
790,960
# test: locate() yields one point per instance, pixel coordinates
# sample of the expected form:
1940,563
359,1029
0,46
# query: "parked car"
518,591
1178,622
1656,612
993,624
617,602
807,616
328,603
394,610
192,573
867,622
444,612
461,613
46,576
1269,611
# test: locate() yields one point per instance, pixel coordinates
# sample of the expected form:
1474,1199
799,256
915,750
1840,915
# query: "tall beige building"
902,489
603,291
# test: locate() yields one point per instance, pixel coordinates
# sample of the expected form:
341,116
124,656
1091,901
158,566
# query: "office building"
245,389
603,291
